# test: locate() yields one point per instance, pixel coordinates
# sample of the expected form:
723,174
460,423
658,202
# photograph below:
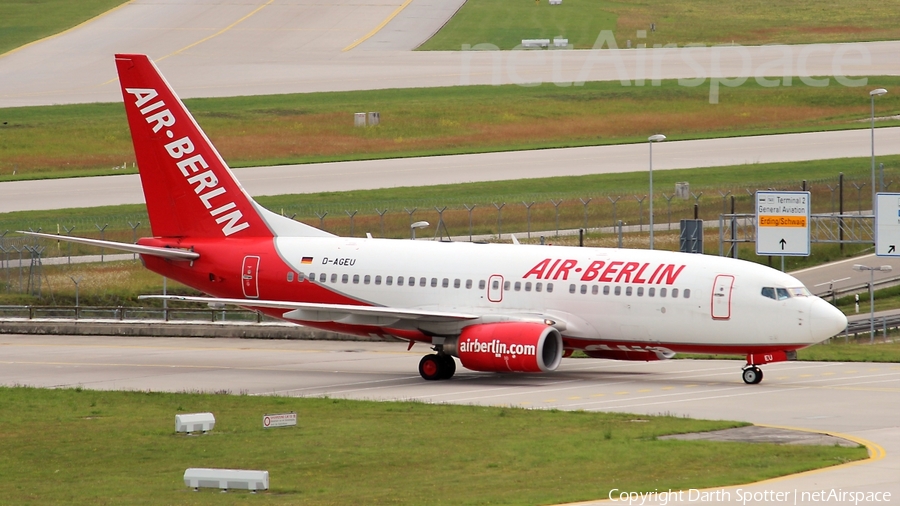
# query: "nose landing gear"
751,374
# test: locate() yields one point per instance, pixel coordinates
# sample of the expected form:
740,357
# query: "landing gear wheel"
431,367
752,375
448,366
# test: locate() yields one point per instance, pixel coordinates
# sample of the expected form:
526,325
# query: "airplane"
494,307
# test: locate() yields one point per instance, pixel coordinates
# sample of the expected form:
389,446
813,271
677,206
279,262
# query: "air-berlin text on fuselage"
603,271
205,183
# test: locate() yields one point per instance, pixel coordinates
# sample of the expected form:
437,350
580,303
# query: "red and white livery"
495,307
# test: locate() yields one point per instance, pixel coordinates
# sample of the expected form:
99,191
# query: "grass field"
61,141
504,23
87,447
22,22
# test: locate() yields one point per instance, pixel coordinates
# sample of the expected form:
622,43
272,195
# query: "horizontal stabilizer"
170,253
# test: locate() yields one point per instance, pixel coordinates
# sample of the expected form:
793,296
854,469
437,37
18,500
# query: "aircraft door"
721,297
495,288
249,278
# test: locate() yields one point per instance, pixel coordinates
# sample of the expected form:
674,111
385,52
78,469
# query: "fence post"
470,209
615,221
351,220
640,212
556,205
321,219
669,208
102,237
134,228
499,218
585,204
381,216
528,212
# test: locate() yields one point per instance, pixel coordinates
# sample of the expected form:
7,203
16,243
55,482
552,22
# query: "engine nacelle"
507,347
635,355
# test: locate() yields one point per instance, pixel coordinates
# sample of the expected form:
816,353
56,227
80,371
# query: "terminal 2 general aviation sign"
782,223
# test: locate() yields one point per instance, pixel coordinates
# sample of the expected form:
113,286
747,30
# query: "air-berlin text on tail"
606,271
205,182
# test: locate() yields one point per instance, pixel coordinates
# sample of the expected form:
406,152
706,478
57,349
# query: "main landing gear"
437,366
752,375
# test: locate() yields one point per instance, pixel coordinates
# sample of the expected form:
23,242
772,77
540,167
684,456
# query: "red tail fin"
190,191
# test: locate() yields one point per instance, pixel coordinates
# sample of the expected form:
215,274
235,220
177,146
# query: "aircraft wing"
344,313
170,253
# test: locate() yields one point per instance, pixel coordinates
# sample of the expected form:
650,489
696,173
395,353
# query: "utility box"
193,422
691,239
560,42
196,477
555,2
374,118
683,190
359,119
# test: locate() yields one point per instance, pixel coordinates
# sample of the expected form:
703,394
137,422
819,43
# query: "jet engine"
507,347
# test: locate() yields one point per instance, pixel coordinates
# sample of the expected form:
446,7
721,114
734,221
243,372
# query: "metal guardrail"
120,313
882,325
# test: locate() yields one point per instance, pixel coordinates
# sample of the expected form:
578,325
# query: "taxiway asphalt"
852,399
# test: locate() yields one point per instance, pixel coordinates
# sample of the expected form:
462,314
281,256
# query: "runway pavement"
213,49
387,173
857,400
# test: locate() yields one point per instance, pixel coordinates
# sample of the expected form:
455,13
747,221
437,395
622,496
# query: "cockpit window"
782,293
769,292
799,291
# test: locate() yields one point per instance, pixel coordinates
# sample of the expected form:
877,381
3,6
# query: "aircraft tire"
752,375
431,367
448,366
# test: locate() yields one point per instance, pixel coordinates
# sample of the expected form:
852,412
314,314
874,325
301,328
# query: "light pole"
862,268
872,95
414,226
651,140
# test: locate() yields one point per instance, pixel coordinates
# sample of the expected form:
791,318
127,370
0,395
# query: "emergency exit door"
721,297
249,277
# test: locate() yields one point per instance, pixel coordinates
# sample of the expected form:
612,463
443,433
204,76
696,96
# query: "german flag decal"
306,260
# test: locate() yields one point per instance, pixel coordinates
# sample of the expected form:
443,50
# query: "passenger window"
782,293
687,293
640,291
537,287
583,289
300,277
456,283
518,286
481,284
506,285
618,290
377,280
528,286
445,283
595,290
323,277
549,287
345,278
334,278
571,288
356,279
662,292
290,276
434,282
412,281
606,290
651,292
389,280
468,284
367,279
495,284
628,291
674,293
423,281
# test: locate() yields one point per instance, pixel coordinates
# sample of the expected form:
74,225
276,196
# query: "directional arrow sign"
782,223
887,224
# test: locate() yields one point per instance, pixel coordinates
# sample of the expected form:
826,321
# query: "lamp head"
878,92
658,137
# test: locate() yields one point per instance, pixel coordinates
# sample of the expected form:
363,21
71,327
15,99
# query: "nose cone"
825,320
